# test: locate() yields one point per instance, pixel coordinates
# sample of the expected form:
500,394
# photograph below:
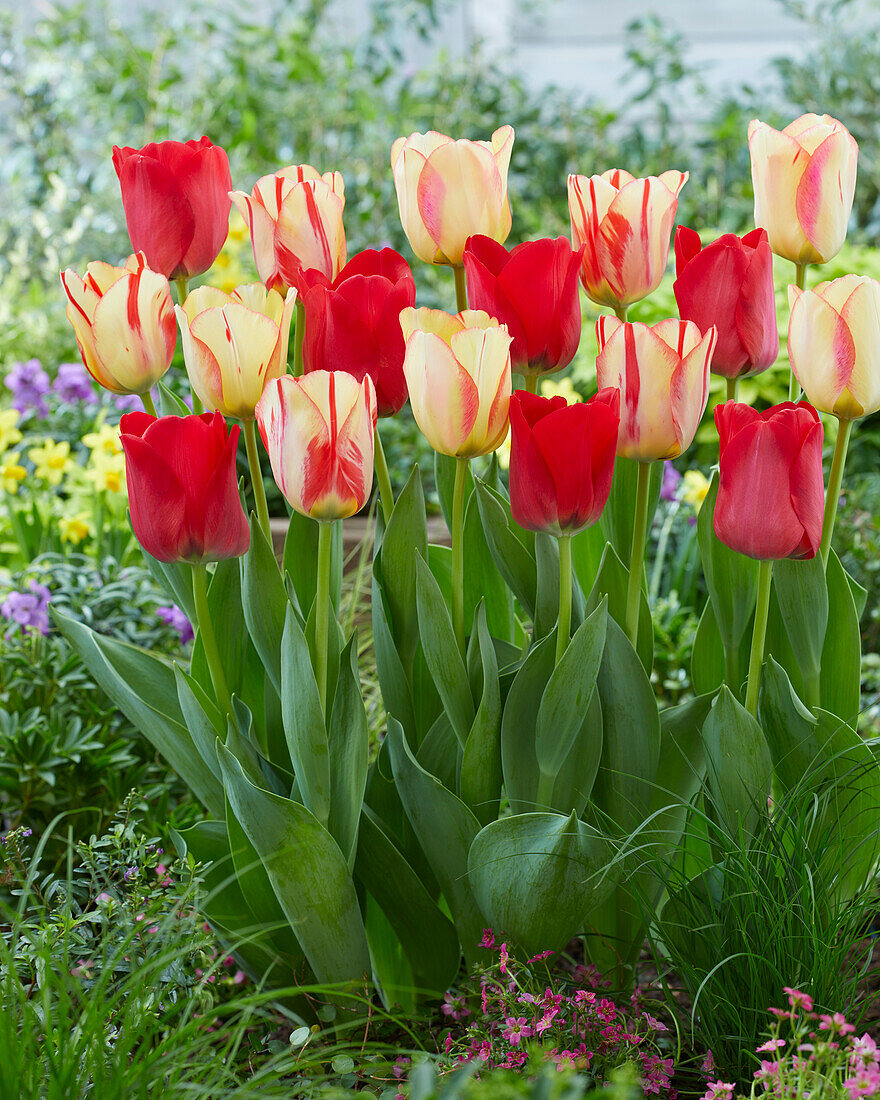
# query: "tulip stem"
800,278
759,633
563,629
620,313
460,288
461,469
253,457
322,608
299,335
209,639
386,493
149,406
835,480
637,557
531,381
731,388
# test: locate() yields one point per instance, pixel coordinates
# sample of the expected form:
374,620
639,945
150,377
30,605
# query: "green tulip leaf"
405,536
612,581
300,561
303,717
619,513
536,875
308,873
393,681
511,547
568,691
840,681
264,602
738,764
731,578
802,598
348,740
143,686
518,723
480,782
482,580
445,829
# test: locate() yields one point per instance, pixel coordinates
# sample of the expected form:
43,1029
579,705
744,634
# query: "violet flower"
27,611
28,383
175,618
74,385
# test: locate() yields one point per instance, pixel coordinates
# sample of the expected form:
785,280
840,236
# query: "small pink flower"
865,1048
488,939
538,958
770,1046
718,1090
400,1065
546,1021
866,1082
836,1024
239,977
798,999
516,1030
657,1025
502,965
708,1064
606,1011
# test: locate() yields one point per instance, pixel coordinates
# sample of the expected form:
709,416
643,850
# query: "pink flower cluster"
807,1057
510,1015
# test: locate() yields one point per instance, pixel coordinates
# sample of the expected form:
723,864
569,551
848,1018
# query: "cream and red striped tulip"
662,372
123,320
318,431
448,190
457,370
804,178
235,344
295,222
834,345
623,225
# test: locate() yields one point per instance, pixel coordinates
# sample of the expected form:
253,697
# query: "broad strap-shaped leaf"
518,723
308,873
349,748
731,578
142,685
738,764
567,694
442,654
512,548
547,592
631,733
445,828
264,601
201,717
802,598
176,579
304,720
482,579
618,514
427,936
300,561
393,680
612,581
405,536
480,782
841,654
575,779
536,875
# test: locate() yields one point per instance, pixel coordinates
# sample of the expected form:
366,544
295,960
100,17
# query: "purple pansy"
28,611
28,383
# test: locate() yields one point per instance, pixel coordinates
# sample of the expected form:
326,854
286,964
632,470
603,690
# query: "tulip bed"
474,836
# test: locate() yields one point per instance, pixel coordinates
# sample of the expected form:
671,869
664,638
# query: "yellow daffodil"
52,461
9,433
11,473
74,528
106,472
696,485
105,440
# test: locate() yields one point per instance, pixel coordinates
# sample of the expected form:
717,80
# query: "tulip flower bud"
448,190
295,222
534,291
834,345
729,284
561,460
770,491
183,487
662,372
804,178
235,344
318,431
458,374
353,324
623,225
123,320
176,200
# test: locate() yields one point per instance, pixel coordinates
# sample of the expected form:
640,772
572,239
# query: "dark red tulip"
176,200
771,493
561,460
183,487
353,323
729,284
534,291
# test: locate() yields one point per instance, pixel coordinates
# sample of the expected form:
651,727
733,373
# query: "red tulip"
534,291
771,492
729,284
176,199
561,460
353,323
182,486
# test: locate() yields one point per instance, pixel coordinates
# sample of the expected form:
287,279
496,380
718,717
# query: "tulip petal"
230,353
309,230
808,491
158,216
825,194
408,169
687,246
134,332
756,309
861,315
261,227
778,164
444,397
820,348
460,192
156,501
225,529
708,292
